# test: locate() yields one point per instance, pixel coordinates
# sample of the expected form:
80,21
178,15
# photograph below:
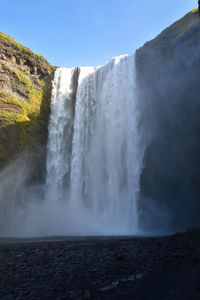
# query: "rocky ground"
101,268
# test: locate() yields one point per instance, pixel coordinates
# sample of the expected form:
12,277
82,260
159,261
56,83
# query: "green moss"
35,97
22,118
33,122
194,10
26,70
2,155
23,79
30,127
8,118
12,100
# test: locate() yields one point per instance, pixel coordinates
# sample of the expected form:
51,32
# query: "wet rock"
119,257
87,294
9,297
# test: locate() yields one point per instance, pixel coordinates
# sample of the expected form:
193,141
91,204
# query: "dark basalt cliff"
168,79
25,92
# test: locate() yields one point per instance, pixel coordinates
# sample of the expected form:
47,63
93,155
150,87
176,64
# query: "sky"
72,33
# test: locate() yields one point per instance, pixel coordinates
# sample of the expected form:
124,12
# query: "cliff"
168,80
25,92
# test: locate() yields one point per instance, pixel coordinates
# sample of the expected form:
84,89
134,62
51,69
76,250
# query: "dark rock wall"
168,79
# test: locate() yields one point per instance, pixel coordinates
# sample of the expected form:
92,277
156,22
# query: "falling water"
60,132
94,152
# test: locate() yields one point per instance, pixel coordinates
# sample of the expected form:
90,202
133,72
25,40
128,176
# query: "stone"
87,294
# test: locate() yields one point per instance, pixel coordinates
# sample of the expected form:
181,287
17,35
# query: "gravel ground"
101,268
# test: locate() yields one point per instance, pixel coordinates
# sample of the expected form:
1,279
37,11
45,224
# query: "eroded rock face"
24,59
25,92
168,70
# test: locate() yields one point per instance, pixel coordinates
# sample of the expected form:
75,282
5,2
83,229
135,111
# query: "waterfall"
60,131
94,152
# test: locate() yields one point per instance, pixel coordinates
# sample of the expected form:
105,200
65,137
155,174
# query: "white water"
94,158
60,133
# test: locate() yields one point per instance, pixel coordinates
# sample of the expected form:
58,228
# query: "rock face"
168,78
25,92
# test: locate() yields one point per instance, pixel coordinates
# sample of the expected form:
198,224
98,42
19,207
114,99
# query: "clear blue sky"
88,32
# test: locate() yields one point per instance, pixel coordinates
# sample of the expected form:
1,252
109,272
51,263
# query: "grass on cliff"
194,10
24,111
8,118
23,79
14,49
29,126
10,41
33,122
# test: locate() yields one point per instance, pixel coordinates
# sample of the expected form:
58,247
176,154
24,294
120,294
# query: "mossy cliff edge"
25,93
168,80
